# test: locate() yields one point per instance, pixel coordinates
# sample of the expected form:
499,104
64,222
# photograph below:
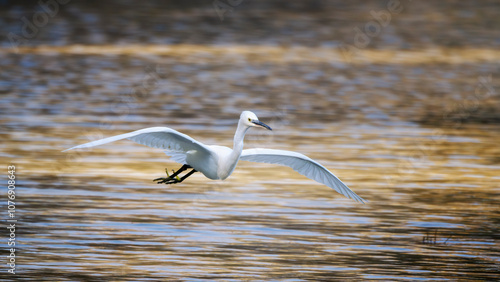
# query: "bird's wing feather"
177,157
301,164
155,137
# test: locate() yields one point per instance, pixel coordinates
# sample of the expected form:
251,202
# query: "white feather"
155,137
301,164
178,157
174,143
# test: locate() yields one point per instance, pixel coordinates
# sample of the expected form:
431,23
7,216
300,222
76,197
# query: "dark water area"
409,122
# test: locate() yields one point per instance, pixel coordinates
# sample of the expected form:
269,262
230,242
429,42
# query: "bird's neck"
230,162
238,142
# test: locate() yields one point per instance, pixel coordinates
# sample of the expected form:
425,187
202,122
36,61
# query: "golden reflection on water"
276,54
96,215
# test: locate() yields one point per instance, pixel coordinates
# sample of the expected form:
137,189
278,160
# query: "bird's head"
251,120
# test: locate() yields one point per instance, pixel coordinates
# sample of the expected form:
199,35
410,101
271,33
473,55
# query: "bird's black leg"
172,179
183,168
177,179
173,176
187,175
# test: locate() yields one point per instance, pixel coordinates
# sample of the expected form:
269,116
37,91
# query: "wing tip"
356,197
69,149
361,200
76,147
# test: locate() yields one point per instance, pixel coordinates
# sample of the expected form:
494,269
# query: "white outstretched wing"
303,165
172,141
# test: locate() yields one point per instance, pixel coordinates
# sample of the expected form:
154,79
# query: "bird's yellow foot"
167,180
170,179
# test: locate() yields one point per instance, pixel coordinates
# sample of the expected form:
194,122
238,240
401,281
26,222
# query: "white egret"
218,162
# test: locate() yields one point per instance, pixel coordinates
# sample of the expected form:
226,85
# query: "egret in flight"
218,162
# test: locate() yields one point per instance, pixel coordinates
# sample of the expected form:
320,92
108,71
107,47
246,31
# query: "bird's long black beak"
259,123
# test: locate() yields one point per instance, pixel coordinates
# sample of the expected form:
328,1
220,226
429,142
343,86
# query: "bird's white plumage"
301,164
175,144
178,157
155,137
218,162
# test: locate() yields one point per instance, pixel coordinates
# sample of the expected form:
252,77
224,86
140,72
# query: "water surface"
404,128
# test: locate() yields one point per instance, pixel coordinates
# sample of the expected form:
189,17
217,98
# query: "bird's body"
219,162
215,166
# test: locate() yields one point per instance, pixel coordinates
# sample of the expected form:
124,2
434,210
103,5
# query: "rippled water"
96,215
403,128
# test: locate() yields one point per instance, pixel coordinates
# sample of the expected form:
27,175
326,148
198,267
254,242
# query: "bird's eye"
249,119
